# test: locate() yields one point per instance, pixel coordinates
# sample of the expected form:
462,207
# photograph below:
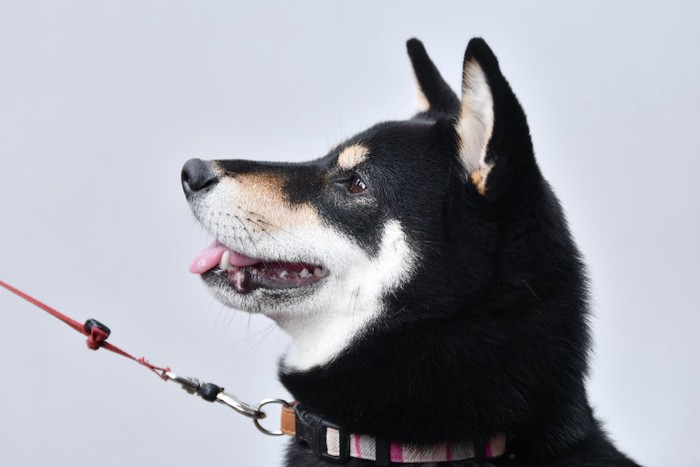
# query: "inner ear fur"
494,145
475,122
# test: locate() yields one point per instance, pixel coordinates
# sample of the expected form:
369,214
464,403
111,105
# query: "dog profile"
424,269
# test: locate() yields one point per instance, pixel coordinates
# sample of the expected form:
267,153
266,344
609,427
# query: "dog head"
408,221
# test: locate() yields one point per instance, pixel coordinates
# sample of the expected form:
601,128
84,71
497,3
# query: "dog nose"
196,176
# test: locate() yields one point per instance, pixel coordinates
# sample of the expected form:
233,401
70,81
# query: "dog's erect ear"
491,126
433,92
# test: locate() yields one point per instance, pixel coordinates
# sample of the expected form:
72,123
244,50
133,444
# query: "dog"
424,269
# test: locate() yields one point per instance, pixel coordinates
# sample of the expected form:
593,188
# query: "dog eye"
356,184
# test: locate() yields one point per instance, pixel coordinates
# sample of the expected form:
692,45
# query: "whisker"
265,333
250,237
263,220
272,237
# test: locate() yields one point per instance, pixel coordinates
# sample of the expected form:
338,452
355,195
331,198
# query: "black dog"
425,271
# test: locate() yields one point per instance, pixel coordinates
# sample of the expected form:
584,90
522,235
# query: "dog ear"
432,90
492,130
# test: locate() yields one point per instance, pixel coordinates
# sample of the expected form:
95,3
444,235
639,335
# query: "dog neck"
391,387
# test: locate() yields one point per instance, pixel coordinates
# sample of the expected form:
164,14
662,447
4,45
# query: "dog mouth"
244,274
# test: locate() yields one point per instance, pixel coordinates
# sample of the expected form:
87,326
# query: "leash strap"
96,332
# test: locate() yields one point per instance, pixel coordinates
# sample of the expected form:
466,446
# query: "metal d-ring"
256,420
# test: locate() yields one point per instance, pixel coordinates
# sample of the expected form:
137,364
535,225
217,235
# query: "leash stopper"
97,333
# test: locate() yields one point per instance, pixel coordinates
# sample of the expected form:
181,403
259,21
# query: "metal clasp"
212,393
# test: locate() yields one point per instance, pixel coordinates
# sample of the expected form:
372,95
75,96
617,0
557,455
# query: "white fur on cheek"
475,124
349,303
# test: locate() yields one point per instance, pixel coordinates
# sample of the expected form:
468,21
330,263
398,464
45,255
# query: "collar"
330,441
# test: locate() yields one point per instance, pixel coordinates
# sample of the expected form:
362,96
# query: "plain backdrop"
101,104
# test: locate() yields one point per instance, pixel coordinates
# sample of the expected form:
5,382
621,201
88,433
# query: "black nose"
197,175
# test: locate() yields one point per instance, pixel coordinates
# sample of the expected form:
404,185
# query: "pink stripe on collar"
489,449
364,447
396,452
448,452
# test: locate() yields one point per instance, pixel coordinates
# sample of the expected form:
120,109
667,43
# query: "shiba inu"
436,300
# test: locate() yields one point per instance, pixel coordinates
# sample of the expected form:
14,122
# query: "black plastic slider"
96,332
209,391
93,323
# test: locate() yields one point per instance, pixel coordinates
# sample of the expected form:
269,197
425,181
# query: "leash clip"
210,392
191,385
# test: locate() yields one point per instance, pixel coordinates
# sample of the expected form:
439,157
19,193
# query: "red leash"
96,332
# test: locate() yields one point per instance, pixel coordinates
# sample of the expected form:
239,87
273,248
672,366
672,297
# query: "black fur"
490,334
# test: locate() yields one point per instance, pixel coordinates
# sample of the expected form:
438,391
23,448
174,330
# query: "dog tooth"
304,273
225,262
283,274
318,272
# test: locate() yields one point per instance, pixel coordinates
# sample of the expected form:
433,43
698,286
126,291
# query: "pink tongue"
210,257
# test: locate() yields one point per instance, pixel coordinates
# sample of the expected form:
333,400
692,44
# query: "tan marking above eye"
352,156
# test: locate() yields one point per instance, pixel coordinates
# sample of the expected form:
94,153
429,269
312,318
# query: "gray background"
102,103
